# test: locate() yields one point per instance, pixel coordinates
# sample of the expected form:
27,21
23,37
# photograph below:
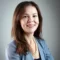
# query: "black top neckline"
38,59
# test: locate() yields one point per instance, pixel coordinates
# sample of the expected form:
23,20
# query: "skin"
29,23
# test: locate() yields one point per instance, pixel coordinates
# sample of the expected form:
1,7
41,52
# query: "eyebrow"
27,14
35,13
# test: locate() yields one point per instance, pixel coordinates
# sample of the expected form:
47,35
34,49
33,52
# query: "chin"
31,31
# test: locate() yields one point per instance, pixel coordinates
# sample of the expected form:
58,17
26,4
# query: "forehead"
30,9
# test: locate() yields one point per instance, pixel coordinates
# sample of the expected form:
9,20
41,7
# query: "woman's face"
29,21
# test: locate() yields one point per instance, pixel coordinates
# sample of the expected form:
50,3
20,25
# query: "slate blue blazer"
42,47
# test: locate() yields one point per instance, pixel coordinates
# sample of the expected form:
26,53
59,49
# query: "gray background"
50,10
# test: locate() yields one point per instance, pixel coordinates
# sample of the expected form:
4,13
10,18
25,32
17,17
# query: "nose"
30,19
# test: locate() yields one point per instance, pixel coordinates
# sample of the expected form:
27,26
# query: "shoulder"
11,46
11,51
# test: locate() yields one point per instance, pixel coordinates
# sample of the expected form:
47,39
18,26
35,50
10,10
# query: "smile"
30,25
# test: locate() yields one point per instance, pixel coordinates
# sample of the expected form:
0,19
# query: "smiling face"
29,21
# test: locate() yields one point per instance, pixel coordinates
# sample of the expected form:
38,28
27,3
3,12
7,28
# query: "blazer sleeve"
46,51
11,52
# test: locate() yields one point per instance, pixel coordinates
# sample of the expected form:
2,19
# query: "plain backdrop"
50,10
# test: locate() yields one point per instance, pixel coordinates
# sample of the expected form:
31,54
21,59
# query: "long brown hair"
17,32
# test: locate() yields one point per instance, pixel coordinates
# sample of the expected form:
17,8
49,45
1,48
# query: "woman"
26,32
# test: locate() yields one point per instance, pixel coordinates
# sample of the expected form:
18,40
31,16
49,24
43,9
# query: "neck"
29,37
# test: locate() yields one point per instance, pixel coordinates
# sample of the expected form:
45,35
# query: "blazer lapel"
40,50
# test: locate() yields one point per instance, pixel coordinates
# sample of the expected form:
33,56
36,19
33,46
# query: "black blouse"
38,59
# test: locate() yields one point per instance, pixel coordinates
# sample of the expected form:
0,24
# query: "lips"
30,25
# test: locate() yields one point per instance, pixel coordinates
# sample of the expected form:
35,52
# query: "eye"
25,16
34,15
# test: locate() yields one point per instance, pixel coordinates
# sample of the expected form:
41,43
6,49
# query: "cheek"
37,21
21,23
